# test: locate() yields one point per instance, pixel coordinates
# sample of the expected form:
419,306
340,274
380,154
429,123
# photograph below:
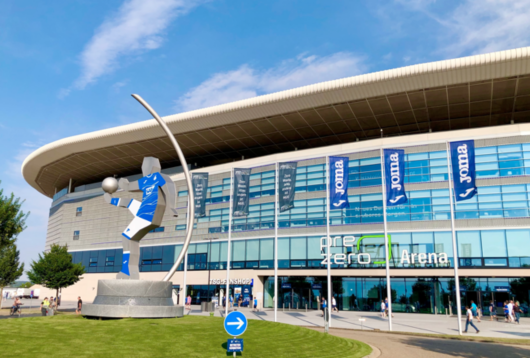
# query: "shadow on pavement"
465,349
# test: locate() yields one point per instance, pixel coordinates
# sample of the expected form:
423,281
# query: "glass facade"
410,295
427,249
476,249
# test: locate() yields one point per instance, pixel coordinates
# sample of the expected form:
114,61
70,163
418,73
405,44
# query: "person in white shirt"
383,309
334,304
469,320
510,312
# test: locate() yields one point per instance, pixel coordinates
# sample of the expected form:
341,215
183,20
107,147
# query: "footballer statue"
158,199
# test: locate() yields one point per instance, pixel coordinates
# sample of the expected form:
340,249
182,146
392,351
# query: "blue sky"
69,67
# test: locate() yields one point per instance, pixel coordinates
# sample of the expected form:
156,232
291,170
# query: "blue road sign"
235,323
234,345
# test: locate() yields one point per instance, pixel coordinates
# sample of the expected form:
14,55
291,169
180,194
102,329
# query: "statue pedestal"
134,299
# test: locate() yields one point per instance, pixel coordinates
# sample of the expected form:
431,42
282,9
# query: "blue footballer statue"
158,199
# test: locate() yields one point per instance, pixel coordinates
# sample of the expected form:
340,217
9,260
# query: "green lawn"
191,336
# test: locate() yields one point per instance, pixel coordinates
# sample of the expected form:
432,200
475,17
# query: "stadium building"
416,108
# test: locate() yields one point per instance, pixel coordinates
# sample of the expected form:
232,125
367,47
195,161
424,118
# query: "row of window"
500,201
495,161
480,248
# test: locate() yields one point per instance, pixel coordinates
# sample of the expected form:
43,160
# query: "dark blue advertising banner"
338,186
463,165
241,187
200,186
287,179
395,176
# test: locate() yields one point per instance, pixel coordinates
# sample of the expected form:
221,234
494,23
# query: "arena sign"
365,258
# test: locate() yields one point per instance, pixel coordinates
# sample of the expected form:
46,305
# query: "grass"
190,336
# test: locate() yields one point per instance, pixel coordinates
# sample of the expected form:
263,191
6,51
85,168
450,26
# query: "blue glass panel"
485,150
509,148
510,164
510,172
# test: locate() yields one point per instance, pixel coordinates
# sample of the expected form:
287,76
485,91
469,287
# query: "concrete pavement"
402,322
401,346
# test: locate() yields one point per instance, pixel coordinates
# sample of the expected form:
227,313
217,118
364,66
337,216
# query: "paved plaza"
402,322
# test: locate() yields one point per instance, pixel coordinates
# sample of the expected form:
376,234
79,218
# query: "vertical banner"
463,165
394,160
338,186
200,186
241,192
287,180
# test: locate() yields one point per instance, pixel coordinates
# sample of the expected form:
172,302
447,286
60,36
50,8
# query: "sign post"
235,325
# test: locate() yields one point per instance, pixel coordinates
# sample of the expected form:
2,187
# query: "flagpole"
453,232
275,300
328,202
231,200
387,256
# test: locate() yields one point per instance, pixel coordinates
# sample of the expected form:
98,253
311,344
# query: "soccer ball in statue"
110,185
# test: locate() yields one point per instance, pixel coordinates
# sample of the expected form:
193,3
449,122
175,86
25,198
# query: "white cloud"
138,26
476,27
246,82
489,25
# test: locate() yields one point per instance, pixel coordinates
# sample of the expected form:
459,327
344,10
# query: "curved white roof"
501,64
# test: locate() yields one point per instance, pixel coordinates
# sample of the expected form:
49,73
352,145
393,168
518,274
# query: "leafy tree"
10,266
55,269
12,219
12,223
26,284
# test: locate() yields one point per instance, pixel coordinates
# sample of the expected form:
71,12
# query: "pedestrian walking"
45,304
188,303
510,311
474,310
323,306
231,301
383,309
506,312
517,310
469,320
334,305
386,307
79,305
493,311
256,303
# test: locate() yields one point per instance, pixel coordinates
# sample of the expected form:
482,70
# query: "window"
93,262
76,235
158,229
79,211
109,261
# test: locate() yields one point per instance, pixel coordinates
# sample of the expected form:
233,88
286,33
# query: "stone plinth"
133,298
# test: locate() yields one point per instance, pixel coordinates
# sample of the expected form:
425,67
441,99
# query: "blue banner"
463,165
395,176
338,186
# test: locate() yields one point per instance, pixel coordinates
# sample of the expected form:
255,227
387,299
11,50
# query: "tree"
12,223
26,284
12,219
10,266
55,269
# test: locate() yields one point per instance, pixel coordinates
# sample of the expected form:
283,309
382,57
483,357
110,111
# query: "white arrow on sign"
238,324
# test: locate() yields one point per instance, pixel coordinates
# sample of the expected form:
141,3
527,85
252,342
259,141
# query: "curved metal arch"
191,206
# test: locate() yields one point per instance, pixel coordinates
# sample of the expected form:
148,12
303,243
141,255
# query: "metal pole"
229,241
185,268
184,164
275,301
328,202
455,252
387,259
